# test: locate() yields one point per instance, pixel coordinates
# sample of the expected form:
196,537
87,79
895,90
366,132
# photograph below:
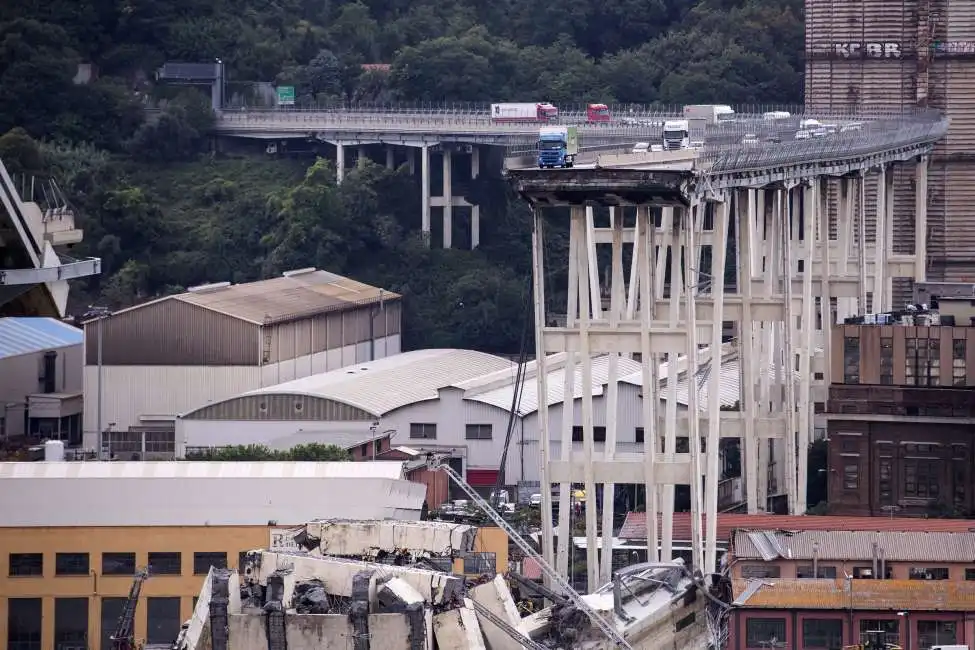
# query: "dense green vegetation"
312,451
165,213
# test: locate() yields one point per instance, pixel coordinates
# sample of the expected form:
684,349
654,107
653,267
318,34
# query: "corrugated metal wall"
172,333
329,331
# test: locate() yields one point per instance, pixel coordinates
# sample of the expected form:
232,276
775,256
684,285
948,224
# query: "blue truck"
557,146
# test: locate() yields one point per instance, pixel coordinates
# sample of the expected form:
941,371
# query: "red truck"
597,113
539,112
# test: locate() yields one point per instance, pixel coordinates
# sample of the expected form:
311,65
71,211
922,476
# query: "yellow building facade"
83,576
78,578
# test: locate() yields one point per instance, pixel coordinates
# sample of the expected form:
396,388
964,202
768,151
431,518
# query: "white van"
641,147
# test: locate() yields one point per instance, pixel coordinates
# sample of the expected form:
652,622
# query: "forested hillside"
165,213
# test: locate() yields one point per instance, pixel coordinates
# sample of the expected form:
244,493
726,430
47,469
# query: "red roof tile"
635,525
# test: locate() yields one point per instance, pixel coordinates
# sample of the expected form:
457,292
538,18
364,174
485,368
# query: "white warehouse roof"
198,493
498,388
387,384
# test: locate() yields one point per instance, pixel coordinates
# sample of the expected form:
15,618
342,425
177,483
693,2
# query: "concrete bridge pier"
448,200
339,162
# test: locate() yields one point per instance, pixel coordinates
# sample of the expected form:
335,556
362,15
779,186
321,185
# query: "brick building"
817,614
901,425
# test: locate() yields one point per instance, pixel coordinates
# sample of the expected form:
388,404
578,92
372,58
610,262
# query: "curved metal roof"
384,385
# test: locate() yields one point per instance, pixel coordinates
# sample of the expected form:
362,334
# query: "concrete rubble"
362,585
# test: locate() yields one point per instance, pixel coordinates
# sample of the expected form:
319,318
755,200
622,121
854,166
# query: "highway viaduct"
791,214
798,267
463,141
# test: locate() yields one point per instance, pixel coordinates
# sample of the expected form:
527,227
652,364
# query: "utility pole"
100,313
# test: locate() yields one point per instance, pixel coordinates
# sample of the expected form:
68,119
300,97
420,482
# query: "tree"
20,153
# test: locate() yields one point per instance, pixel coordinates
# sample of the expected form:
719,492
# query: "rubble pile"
314,600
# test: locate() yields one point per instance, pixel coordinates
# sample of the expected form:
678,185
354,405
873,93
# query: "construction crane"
124,637
598,621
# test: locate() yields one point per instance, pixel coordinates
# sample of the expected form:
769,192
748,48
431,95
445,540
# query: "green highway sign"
286,95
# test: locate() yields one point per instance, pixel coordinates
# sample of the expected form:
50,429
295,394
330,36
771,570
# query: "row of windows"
113,564
922,364
25,628
921,478
754,571
828,633
428,431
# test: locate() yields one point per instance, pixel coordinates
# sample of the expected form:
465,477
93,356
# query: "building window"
760,571
822,633
71,623
761,632
851,477
885,484
921,479
423,431
886,360
969,574
851,360
165,564
889,626
24,624
959,476
480,563
931,633
161,443
478,432
26,564
118,564
598,434
162,620
806,571
638,435
71,564
959,369
923,573
203,561
112,609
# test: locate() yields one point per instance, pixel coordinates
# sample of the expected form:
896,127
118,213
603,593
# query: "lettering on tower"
867,50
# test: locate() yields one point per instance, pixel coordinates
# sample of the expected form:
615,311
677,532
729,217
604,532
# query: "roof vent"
291,274
206,288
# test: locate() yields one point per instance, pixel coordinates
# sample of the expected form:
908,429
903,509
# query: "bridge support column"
645,323
448,199
881,245
921,220
339,162
361,156
425,193
390,157
475,209
746,224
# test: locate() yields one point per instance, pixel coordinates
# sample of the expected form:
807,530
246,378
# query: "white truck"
677,135
709,113
526,112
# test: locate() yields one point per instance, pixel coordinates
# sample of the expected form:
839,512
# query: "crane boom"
604,626
123,639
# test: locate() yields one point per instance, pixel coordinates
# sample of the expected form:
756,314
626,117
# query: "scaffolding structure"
761,258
